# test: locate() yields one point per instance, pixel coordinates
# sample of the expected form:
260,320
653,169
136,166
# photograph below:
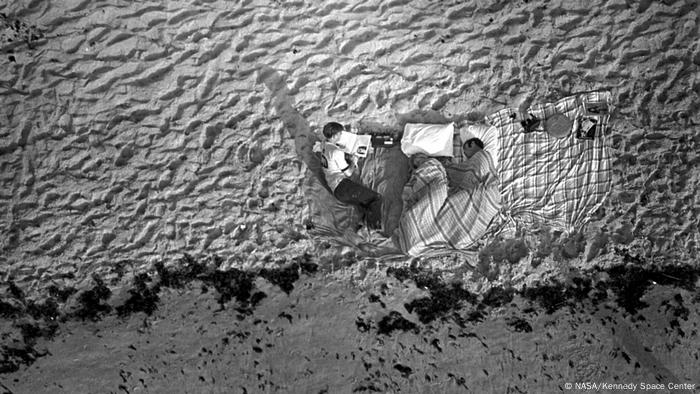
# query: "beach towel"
545,179
448,207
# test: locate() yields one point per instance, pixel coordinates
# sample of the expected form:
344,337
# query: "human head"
471,146
331,131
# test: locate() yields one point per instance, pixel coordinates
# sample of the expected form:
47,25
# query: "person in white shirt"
338,170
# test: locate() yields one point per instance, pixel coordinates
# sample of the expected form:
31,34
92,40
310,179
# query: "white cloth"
428,139
333,163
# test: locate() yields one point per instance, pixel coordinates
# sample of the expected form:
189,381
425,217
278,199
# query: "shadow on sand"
328,214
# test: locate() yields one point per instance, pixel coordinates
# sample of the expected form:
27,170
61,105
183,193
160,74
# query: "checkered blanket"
448,207
544,179
519,179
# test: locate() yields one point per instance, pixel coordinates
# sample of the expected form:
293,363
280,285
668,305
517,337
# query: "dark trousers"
369,201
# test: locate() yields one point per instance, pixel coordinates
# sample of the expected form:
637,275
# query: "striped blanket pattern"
448,207
544,179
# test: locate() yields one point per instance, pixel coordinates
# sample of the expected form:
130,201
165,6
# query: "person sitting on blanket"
338,167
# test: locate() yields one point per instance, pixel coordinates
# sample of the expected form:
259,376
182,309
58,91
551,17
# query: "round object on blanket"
558,125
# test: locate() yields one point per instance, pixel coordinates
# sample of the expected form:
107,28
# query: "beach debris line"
626,283
233,283
629,282
32,320
142,298
92,302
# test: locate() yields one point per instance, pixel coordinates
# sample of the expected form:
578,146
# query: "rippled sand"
132,132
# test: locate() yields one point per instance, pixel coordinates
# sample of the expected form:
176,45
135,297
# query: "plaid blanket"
519,179
448,207
560,181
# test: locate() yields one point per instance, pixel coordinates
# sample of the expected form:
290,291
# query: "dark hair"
331,129
477,141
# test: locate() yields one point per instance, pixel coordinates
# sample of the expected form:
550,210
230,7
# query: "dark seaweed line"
627,283
35,320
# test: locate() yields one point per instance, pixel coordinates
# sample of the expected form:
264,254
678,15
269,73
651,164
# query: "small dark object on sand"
394,321
530,123
519,324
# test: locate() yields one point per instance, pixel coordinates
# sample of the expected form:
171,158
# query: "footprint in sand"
209,134
251,155
125,154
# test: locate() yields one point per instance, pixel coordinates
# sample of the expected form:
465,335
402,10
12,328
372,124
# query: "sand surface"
134,132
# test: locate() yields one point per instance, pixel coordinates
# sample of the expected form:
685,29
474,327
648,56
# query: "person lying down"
477,169
448,206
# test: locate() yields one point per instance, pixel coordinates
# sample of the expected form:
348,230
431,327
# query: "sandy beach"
160,211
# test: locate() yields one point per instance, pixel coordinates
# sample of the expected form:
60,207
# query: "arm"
478,170
347,171
351,165
487,169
